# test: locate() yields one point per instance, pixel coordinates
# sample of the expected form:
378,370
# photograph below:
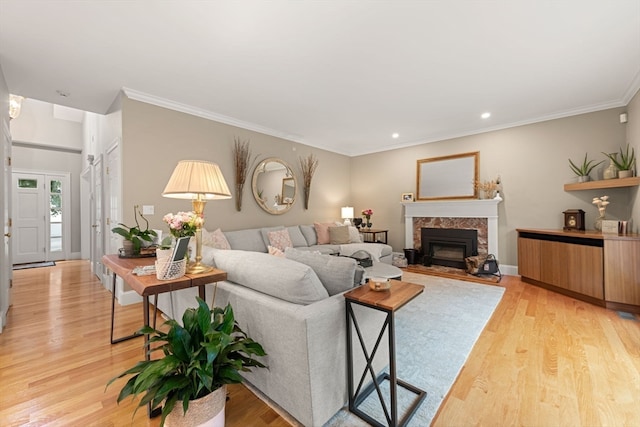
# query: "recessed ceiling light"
486,115
395,135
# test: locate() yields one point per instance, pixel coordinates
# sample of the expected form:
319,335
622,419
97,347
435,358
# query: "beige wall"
154,139
531,160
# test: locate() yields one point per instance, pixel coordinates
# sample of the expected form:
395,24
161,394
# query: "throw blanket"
375,250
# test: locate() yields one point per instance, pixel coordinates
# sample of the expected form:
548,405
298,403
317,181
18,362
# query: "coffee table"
381,269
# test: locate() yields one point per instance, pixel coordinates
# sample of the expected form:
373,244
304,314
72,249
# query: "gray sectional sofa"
293,306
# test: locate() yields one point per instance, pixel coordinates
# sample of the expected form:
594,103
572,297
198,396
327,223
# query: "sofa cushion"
337,274
309,233
297,238
280,239
215,239
279,277
339,235
275,251
246,240
354,235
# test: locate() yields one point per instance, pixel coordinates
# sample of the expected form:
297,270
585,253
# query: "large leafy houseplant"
135,234
204,354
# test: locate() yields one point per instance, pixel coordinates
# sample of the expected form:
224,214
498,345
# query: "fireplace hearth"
448,246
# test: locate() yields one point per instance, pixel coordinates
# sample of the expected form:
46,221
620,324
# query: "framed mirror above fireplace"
448,177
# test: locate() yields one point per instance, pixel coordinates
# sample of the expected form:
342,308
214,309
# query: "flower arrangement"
182,224
367,214
489,188
602,203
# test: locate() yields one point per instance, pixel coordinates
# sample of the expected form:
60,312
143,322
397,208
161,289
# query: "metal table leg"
113,305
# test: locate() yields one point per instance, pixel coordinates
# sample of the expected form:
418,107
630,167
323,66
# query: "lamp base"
197,268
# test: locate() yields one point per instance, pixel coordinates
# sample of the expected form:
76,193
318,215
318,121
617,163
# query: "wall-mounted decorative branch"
308,167
242,162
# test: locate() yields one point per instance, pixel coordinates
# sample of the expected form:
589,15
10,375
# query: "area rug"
34,265
434,336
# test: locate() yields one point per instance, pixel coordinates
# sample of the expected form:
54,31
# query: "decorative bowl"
379,283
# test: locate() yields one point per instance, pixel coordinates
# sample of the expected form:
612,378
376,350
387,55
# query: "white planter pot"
625,174
207,411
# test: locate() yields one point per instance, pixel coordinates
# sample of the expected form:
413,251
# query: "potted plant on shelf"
199,359
135,237
625,163
583,170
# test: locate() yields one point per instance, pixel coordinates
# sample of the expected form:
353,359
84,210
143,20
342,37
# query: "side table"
370,235
389,302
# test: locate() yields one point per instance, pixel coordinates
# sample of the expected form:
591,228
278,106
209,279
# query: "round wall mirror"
274,186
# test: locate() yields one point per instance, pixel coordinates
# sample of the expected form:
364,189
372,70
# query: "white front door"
41,216
28,218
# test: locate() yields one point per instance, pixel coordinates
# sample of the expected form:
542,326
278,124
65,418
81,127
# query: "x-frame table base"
357,395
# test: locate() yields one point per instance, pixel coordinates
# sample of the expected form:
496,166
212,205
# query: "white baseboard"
128,298
509,270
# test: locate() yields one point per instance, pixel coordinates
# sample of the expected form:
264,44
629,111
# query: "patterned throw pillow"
215,239
280,239
275,252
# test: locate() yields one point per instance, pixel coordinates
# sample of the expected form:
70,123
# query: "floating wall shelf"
604,183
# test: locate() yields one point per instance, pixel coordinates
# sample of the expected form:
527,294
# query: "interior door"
98,215
28,218
6,273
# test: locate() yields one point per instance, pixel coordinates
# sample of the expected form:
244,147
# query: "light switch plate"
148,209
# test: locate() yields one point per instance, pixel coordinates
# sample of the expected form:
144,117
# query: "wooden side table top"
150,284
372,230
392,299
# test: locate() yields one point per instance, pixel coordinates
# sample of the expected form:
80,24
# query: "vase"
369,224
610,171
206,411
598,223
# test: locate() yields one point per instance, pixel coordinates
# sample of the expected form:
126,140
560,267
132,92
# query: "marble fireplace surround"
467,213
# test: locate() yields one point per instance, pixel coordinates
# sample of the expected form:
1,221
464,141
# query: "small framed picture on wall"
407,197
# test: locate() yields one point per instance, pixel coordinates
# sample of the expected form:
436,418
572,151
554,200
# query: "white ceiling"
340,75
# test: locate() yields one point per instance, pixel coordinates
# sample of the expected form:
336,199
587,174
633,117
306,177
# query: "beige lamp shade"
197,179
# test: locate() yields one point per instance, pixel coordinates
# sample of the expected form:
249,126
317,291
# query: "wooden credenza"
602,269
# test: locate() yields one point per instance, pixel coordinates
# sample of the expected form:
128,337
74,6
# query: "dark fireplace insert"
448,246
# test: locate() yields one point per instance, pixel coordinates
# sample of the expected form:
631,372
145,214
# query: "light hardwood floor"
543,360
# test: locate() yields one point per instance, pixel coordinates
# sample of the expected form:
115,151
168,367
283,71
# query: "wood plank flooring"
543,360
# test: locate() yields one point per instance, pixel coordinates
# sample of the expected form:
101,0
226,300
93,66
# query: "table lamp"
347,214
199,181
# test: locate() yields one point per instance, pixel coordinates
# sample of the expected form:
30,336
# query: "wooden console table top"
392,299
587,234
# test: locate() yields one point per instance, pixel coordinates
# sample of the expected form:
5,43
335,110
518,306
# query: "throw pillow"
337,274
339,235
354,235
279,277
215,239
322,231
280,239
275,252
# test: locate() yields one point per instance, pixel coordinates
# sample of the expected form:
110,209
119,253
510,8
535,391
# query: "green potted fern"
583,170
625,163
198,359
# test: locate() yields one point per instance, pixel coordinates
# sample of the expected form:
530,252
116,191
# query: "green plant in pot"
583,170
625,163
135,237
198,360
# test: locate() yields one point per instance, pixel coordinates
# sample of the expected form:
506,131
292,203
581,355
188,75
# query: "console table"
370,235
389,302
602,269
150,285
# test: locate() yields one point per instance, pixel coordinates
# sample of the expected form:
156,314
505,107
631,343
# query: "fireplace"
448,246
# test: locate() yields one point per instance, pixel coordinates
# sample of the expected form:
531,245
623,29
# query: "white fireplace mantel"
464,208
